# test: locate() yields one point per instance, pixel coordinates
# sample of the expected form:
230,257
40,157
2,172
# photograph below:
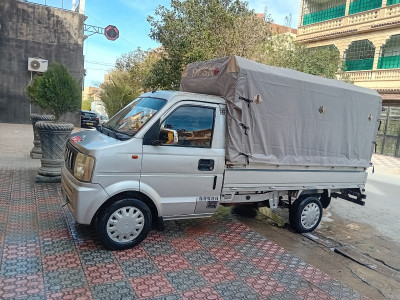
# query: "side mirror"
168,136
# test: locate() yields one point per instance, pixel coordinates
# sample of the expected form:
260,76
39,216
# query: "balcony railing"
376,75
387,12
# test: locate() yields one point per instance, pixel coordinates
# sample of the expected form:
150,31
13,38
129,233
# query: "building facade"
45,33
367,35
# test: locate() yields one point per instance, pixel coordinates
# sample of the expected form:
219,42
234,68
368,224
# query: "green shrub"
56,92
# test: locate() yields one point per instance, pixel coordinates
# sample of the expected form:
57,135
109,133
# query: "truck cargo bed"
257,178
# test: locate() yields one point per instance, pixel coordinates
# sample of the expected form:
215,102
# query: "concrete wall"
32,30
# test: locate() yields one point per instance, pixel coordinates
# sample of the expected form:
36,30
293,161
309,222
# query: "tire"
305,215
325,200
124,224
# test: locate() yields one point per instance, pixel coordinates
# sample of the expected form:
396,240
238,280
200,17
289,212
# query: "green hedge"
389,62
359,64
323,15
363,5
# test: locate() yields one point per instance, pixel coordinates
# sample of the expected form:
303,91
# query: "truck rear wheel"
124,224
305,215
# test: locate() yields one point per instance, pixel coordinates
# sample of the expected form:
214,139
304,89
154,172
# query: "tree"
56,92
118,91
127,81
283,51
193,30
86,103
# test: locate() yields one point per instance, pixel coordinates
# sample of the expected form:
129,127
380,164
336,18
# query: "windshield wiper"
109,131
122,136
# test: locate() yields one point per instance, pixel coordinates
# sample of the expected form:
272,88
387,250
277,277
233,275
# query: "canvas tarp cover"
285,117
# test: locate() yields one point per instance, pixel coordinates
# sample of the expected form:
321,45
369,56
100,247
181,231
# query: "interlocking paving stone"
54,247
152,286
21,266
290,260
64,279
210,241
248,250
139,267
284,296
89,258
339,290
185,279
199,258
169,297
236,290
158,248
243,268
115,290
44,254
173,230
290,280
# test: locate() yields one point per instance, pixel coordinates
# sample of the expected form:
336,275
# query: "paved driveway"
45,254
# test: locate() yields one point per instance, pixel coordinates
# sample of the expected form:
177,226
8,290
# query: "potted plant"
56,92
36,151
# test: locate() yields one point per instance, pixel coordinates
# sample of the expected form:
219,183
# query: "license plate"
91,124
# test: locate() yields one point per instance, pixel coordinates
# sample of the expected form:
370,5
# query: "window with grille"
390,53
391,2
359,56
319,10
357,6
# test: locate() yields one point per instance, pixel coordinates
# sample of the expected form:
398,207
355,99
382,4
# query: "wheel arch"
129,194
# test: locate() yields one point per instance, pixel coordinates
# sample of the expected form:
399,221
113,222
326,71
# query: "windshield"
130,119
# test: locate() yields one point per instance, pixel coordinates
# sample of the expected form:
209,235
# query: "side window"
193,126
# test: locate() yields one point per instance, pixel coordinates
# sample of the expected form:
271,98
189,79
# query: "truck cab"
161,156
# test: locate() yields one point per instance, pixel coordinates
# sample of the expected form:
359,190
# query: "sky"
130,17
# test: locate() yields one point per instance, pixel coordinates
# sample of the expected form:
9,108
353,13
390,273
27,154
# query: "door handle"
206,165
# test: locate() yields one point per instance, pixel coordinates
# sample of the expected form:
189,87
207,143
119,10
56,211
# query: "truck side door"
190,169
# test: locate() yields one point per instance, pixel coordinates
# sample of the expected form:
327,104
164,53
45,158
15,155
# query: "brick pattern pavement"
44,254
386,164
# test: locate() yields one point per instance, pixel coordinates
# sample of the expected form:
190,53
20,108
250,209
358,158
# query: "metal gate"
388,140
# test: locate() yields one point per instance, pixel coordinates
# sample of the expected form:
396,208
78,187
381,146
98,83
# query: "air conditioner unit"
37,64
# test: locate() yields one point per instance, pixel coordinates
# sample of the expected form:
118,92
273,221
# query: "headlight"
83,168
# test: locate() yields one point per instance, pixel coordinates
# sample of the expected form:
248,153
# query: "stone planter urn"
36,151
53,138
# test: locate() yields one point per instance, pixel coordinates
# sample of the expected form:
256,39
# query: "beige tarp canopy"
285,117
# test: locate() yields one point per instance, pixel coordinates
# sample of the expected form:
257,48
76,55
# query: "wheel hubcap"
310,215
125,224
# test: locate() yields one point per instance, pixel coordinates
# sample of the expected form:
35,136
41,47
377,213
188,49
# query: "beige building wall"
376,25
91,92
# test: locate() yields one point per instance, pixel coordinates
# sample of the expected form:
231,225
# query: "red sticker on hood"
76,139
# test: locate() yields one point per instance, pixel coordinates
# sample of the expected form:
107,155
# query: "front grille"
70,156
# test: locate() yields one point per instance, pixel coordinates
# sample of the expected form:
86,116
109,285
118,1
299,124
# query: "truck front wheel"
124,224
305,215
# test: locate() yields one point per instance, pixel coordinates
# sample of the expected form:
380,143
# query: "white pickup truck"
264,137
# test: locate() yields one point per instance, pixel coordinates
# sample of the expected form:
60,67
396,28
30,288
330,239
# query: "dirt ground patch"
364,238
368,282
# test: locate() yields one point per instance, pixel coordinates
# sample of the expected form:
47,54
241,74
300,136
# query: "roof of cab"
177,96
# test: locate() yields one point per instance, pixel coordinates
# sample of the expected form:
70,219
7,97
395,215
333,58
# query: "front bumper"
82,199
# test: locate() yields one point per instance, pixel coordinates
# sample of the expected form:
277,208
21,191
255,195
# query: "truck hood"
87,141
